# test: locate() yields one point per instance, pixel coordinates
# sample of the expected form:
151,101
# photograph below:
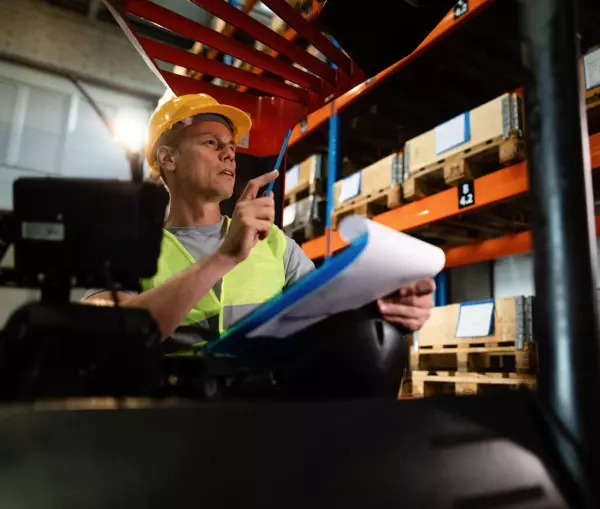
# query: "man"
213,270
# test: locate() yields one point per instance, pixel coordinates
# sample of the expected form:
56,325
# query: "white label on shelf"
591,63
289,215
475,319
452,133
350,187
292,176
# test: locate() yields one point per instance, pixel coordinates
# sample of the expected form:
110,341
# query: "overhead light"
129,130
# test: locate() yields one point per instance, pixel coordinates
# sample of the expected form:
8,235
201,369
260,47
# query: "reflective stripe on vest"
254,281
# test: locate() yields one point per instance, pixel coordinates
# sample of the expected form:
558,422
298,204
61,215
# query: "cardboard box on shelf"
510,323
304,174
383,174
346,189
483,128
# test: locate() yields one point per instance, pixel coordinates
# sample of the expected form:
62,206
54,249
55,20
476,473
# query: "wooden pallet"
593,109
472,162
592,98
502,358
432,383
301,191
368,205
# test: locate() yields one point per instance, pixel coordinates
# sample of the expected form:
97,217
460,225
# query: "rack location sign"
466,194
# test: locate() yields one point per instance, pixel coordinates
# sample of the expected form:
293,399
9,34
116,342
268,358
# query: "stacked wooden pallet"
370,191
591,73
304,179
304,210
591,78
477,142
442,362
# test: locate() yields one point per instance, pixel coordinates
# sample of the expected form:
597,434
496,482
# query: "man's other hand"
252,220
410,308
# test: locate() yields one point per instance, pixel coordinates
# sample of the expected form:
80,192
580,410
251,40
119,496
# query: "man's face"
205,160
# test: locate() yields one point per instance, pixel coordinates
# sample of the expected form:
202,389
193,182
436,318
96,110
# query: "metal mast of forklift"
566,320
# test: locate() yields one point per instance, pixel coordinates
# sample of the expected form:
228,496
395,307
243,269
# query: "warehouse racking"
471,57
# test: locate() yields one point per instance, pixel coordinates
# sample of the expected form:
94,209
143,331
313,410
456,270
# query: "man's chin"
225,192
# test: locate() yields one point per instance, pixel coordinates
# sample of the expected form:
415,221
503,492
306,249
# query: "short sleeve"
295,261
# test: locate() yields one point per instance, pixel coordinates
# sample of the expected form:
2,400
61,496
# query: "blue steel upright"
332,156
441,289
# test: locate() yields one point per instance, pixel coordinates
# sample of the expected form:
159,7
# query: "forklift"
521,449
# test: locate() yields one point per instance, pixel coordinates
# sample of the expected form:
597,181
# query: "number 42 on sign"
466,194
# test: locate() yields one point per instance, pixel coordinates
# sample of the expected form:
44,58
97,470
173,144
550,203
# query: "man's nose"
228,154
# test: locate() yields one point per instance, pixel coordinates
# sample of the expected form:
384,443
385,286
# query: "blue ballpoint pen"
279,159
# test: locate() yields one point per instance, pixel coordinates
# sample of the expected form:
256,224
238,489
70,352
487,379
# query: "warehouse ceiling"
95,9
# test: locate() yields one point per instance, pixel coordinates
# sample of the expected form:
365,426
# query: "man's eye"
212,143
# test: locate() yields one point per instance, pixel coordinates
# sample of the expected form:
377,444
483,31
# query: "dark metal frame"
566,323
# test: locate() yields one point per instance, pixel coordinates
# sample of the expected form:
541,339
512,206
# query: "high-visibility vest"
253,281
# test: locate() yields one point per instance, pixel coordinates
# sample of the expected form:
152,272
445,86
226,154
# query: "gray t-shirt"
202,241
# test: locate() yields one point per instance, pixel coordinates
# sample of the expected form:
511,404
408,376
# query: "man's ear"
165,159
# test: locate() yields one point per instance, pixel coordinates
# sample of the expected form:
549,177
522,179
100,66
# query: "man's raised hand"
252,219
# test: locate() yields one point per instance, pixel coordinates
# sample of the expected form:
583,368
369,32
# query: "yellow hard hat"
179,109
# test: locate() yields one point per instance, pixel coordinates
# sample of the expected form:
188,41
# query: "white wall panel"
513,275
8,97
48,128
42,139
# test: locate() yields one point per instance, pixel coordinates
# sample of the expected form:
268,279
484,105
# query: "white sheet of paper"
390,260
289,215
350,187
591,63
292,176
474,320
451,134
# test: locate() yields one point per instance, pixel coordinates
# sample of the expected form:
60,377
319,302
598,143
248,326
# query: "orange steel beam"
493,188
489,249
494,248
228,31
268,37
490,189
291,35
185,85
445,27
299,23
180,24
166,53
